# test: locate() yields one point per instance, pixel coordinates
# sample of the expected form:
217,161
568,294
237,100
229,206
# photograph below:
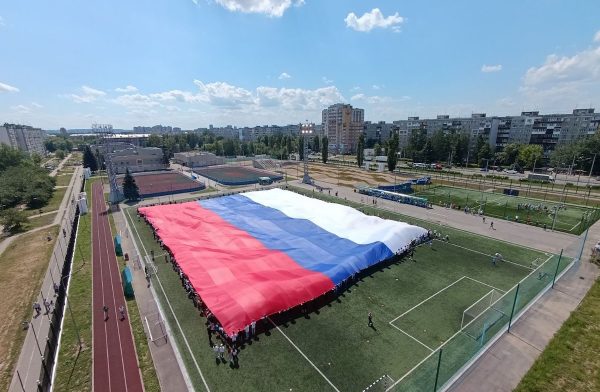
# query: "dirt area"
23,265
348,176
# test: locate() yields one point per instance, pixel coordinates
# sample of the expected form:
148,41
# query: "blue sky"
252,62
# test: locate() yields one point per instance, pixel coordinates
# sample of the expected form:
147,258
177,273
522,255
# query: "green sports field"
570,218
417,306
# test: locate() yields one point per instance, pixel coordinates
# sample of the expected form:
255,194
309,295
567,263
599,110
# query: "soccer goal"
473,311
155,327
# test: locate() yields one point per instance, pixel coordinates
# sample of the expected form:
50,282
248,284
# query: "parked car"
510,171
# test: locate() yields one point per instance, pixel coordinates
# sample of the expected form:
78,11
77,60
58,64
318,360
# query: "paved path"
115,366
54,172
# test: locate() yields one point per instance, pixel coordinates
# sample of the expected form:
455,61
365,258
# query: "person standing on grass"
253,328
370,318
105,309
216,351
247,332
222,351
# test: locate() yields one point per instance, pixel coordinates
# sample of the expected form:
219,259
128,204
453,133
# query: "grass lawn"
39,221
205,190
424,299
23,265
63,180
571,218
570,362
74,367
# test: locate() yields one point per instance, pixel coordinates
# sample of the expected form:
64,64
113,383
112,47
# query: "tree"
60,154
10,157
89,160
324,149
510,153
392,152
530,154
360,150
12,220
316,146
428,153
130,188
485,152
377,149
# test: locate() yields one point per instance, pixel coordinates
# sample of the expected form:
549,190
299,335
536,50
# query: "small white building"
197,159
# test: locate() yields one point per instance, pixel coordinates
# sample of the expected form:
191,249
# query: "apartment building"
342,124
24,138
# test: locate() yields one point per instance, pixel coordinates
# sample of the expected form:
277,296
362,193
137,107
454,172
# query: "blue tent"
127,282
118,248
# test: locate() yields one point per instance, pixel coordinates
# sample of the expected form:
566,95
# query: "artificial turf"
570,218
332,344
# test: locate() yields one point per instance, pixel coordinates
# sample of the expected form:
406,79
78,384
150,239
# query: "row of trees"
579,154
22,182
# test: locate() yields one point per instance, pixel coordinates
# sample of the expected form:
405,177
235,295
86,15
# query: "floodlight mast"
105,133
306,130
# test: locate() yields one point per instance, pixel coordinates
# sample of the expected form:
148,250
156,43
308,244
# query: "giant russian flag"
255,254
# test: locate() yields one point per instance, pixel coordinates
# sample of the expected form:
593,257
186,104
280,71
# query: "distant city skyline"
193,63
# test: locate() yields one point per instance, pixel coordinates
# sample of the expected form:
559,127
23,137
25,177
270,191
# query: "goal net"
155,327
473,311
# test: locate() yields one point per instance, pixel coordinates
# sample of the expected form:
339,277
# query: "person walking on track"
105,309
122,312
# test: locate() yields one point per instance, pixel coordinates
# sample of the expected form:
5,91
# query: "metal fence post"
437,372
512,312
557,265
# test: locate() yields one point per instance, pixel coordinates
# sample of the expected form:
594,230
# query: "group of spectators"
227,347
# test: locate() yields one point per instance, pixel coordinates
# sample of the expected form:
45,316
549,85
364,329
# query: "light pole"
306,130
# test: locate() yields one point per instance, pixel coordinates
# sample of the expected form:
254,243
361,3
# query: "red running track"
115,363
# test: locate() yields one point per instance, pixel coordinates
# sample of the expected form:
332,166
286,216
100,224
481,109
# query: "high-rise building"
24,138
342,124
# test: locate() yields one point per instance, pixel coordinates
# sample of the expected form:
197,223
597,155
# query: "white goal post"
155,326
473,311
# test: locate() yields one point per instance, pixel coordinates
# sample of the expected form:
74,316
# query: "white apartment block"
24,138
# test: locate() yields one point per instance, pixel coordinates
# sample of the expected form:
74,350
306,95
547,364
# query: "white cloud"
2,22
6,88
135,101
355,88
326,81
377,87
21,109
377,99
597,36
284,75
273,8
564,80
372,20
87,95
127,89
491,68
298,99
224,94
36,105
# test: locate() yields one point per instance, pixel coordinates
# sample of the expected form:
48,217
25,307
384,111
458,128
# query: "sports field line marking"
304,355
412,337
485,284
171,309
486,254
572,228
428,298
